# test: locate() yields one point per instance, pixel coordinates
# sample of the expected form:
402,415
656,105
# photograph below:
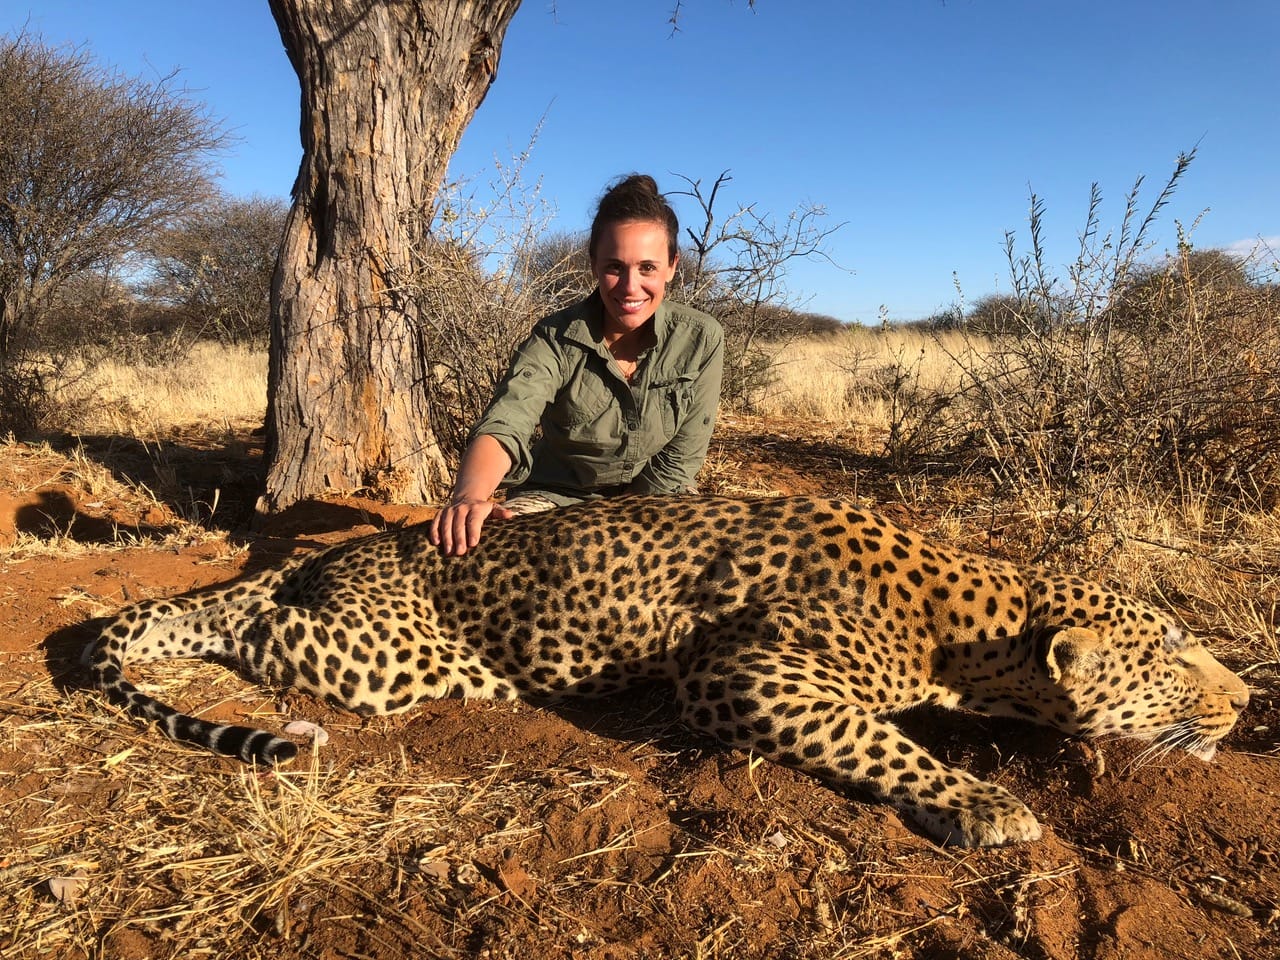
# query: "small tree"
557,267
215,267
92,164
488,270
736,270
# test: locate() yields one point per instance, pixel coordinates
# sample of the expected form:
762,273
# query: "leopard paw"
989,817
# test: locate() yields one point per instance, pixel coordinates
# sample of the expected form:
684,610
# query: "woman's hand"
456,528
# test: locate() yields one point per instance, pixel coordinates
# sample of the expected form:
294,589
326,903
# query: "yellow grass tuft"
841,378
214,384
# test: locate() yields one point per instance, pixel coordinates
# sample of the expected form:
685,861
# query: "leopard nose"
1240,699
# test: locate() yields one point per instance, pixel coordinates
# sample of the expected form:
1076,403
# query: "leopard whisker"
1185,735
1156,750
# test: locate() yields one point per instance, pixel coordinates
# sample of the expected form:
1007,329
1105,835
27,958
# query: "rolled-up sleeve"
519,400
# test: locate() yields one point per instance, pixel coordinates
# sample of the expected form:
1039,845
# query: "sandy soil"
603,831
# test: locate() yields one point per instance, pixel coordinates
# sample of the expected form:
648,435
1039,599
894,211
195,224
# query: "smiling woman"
620,389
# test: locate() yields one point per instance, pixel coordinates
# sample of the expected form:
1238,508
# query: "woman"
624,385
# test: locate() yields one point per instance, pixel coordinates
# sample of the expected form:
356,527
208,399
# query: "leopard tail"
143,633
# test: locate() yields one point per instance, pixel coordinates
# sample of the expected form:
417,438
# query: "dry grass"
841,378
213,384
137,846
1216,564
37,471
200,857
829,379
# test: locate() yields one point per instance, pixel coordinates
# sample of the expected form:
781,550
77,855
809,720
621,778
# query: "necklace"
626,352
628,368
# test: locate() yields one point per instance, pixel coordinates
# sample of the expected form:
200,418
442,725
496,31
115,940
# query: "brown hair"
631,198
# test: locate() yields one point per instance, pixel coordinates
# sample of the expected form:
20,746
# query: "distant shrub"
1127,376
735,268
1205,281
213,268
1001,313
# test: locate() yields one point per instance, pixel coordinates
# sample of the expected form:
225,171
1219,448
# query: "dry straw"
130,835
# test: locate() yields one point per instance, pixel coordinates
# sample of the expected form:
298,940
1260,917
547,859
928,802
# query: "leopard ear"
1073,653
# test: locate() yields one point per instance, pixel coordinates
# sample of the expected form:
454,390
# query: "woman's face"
633,268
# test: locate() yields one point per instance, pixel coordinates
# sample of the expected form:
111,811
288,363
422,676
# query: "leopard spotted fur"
795,628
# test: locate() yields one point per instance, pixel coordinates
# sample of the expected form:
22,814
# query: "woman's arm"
500,444
674,468
456,528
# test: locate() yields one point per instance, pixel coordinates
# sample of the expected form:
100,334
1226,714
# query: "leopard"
797,628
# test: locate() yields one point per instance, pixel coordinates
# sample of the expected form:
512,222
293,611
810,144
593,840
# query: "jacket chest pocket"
673,397
582,401
585,418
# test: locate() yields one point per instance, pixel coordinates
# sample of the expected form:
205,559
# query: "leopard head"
1140,676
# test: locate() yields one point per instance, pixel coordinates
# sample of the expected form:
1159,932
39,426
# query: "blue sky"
921,124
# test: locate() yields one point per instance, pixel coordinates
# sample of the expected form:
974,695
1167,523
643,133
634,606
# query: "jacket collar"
587,325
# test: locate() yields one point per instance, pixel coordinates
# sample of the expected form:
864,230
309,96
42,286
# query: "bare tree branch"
92,165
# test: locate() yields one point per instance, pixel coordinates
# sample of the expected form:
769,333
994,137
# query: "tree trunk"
388,86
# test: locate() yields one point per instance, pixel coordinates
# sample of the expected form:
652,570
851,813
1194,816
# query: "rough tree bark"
388,86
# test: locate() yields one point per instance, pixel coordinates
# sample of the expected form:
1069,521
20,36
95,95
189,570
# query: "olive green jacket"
600,434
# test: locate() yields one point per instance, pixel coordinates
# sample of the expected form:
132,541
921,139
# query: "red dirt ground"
653,843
